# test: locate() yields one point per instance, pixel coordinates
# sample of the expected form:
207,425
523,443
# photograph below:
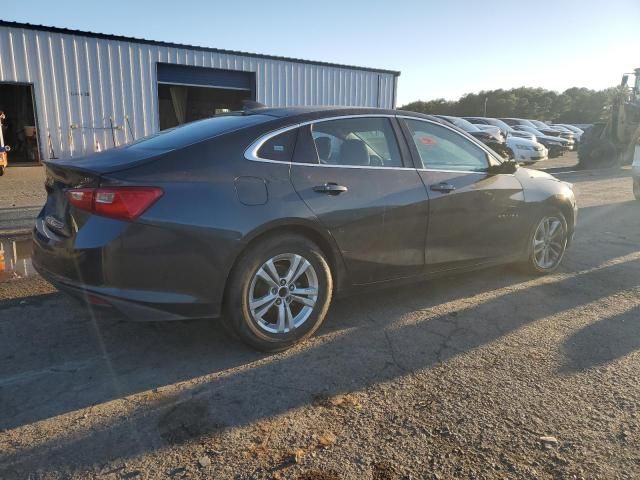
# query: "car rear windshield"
198,131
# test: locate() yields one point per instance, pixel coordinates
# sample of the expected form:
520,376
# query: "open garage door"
188,93
19,125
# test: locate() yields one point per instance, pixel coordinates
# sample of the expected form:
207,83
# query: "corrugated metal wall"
81,82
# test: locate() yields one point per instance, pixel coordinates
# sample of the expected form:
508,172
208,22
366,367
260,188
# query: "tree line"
574,105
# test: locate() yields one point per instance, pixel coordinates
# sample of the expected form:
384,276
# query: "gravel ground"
493,374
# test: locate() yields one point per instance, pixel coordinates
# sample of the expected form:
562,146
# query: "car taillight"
125,203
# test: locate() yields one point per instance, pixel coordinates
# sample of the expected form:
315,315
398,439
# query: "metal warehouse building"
67,93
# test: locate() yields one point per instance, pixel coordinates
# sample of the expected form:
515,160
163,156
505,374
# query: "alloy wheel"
549,243
283,293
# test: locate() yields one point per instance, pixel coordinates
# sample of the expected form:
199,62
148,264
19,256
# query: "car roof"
315,112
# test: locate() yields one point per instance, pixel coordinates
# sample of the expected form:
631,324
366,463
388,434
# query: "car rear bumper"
134,304
107,273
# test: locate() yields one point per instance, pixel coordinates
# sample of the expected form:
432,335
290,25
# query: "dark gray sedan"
260,217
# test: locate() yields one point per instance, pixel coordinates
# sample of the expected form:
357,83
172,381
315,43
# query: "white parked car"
526,151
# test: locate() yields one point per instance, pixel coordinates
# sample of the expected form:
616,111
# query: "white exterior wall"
82,81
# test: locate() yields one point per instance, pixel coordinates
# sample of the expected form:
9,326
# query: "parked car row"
522,140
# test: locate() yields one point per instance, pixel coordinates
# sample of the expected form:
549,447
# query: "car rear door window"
440,148
280,147
358,141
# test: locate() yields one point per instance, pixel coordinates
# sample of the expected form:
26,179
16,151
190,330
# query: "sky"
444,49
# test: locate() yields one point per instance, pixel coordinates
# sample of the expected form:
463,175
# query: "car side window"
442,149
279,147
358,141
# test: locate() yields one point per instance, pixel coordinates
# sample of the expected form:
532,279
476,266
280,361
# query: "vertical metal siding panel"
74,103
325,87
273,83
366,89
95,92
144,60
34,72
81,83
74,140
298,94
388,94
54,57
43,91
31,57
373,89
12,59
269,80
20,66
384,93
105,101
151,114
388,86
88,76
308,85
125,81
5,52
314,85
293,86
282,83
136,115
114,92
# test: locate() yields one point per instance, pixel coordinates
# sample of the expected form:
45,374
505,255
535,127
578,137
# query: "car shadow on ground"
364,349
368,340
602,342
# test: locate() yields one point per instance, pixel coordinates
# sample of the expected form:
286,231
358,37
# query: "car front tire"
547,243
278,293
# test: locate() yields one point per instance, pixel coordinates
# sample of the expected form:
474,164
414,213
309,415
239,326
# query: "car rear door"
474,216
357,179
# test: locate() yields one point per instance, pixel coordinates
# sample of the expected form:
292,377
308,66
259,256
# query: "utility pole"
485,105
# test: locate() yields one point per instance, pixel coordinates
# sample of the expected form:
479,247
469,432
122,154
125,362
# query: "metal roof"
68,31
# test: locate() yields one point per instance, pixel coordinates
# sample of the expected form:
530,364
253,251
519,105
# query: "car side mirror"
508,166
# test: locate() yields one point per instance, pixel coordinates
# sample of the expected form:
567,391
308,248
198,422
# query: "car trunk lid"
59,178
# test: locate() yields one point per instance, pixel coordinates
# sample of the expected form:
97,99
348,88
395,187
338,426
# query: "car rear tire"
278,293
547,243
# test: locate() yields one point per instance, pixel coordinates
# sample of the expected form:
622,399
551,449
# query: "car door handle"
330,188
442,187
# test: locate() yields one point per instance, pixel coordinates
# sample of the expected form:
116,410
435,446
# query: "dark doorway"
180,104
19,126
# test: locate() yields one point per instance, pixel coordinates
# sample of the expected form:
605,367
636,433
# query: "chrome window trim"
251,153
451,171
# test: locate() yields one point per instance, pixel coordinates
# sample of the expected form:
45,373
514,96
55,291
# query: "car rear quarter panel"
189,240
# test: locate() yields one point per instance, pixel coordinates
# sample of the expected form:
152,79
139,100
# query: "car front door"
351,173
474,216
